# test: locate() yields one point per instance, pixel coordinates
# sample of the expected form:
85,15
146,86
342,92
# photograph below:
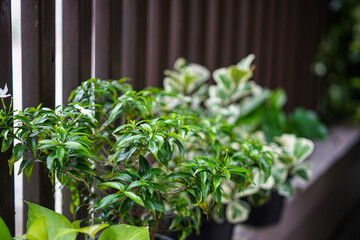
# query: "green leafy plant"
254,118
44,224
161,158
125,161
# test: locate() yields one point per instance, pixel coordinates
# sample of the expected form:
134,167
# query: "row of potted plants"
164,159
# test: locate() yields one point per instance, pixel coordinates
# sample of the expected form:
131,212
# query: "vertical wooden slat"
271,45
134,41
76,44
7,212
157,41
196,31
243,23
212,43
178,30
290,82
316,32
107,39
227,56
38,71
77,20
304,56
259,41
281,65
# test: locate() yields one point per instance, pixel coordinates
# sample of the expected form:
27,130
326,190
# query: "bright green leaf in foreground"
123,231
54,221
38,230
4,231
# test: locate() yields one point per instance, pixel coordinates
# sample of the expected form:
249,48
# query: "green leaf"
237,74
286,189
4,231
50,161
124,177
125,206
28,170
107,200
122,231
216,182
303,148
305,123
265,165
90,230
125,153
117,185
278,98
38,229
122,140
146,127
144,165
78,147
154,148
115,112
6,143
18,151
203,177
153,172
60,153
180,175
54,221
135,198
245,63
136,184
32,144
303,171
175,222
237,212
227,175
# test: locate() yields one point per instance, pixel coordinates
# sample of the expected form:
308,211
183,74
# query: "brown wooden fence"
141,38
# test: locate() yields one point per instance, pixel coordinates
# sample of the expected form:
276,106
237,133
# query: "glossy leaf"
54,221
122,231
4,231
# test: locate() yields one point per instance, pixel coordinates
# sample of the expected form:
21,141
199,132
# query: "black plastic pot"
268,214
211,230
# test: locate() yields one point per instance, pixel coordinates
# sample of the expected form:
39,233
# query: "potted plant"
162,158
255,113
131,161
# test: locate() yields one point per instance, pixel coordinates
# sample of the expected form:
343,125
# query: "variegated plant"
234,98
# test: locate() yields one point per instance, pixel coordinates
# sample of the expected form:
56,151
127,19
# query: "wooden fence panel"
196,31
178,30
7,212
212,26
107,39
157,41
228,30
77,22
139,39
134,32
38,83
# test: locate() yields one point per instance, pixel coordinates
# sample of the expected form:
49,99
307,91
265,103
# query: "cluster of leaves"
44,224
125,163
338,60
249,120
165,157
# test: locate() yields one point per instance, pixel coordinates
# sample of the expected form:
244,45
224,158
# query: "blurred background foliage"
338,59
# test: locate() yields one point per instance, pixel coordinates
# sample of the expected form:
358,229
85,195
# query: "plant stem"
80,180
154,230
